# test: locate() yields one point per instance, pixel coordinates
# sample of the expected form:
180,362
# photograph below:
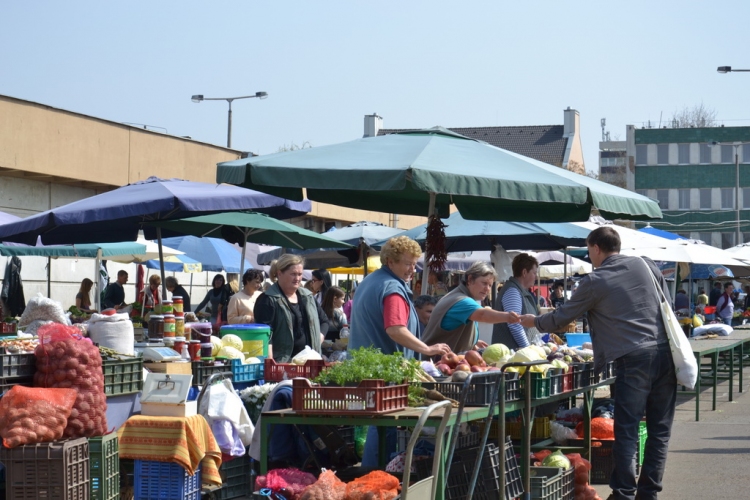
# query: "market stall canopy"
6,218
692,253
629,238
661,233
410,172
468,235
150,252
119,214
214,254
241,227
373,263
740,252
177,264
109,251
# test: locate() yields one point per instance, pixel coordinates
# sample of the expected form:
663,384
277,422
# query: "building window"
727,240
662,154
705,153
705,237
746,154
683,154
684,199
642,192
705,203
662,195
745,237
641,154
727,154
745,198
727,197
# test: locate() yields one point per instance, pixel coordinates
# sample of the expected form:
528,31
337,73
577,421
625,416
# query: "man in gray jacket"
626,327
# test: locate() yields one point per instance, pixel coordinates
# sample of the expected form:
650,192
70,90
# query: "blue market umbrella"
661,233
215,254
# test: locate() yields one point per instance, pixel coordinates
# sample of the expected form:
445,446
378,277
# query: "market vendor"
178,290
295,317
453,321
218,296
150,297
515,296
242,303
383,315
114,297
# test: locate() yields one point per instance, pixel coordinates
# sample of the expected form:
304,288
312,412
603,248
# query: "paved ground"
709,459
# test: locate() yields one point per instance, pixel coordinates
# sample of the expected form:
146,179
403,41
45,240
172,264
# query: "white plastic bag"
221,403
305,354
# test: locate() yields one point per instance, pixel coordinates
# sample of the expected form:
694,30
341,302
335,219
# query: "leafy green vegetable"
369,363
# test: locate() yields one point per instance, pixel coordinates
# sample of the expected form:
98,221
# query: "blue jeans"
371,452
645,385
727,321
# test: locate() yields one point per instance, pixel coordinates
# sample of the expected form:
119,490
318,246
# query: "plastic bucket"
577,339
254,337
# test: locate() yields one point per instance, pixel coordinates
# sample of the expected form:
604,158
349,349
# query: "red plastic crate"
276,372
370,397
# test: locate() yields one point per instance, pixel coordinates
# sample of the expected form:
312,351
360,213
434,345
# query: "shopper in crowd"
174,287
348,304
218,298
627,328
321,282
454,320
332,306
713,297
242,303
295,318
702,299
558,294
83,297
114,297
725,305
515,297
424,304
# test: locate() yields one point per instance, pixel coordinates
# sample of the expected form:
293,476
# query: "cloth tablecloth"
187,441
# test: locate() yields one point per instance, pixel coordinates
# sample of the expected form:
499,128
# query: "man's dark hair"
523,262
717,283
727,285
425,300
121,273
252,275
701,290
606,238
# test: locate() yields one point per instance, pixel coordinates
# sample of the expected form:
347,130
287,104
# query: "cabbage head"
231,353
556,459
232,340
493,353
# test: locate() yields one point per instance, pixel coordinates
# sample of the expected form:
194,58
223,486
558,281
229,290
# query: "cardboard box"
165,395
170,367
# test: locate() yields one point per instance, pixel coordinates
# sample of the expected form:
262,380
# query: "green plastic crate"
122,376
540,385
104,463
202,372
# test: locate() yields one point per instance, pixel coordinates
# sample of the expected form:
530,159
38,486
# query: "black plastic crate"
7,384
584,375
464,440
607,373
489,482
122,376
57,470
201,372
17,364
551,483
602,459
235,478
479,392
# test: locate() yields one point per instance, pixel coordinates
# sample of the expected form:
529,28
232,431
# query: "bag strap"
653,279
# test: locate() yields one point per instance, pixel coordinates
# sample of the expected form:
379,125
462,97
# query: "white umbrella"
692,253
740,252
151,253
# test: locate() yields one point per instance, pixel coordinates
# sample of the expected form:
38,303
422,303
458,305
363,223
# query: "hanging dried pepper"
435,245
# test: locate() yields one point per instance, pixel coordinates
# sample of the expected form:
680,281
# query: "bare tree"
294,147
698,116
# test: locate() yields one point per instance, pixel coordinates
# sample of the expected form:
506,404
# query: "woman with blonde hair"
295,318
83,299
150,296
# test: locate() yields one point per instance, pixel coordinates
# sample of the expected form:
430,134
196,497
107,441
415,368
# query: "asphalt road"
709,459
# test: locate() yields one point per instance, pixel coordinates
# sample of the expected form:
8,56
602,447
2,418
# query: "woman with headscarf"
295,318
515,297
454,319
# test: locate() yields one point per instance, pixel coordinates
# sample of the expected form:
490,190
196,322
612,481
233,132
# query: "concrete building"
50,157
692,172
558,145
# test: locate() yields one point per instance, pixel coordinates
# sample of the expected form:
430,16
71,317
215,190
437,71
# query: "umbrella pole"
191,284
565,271
98,264
242,262
161,265
426,267
49,278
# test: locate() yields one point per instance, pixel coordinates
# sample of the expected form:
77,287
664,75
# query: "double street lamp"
198,98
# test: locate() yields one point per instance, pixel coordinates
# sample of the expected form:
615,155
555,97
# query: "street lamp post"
199,97
728,69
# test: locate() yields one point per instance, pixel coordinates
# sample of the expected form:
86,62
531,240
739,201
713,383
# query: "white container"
165,395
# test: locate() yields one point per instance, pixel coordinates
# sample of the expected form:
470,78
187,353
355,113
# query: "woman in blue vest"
515,296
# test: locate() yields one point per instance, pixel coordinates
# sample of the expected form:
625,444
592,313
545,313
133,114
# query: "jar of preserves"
169,325
179,326
178,305
156,327
167,307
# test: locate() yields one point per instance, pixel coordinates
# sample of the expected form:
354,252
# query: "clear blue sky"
325,64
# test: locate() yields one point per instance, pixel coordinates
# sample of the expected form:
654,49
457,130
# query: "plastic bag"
560,434
42,308
306,354
293,481
327,487
222,404
377,485
31,415
601,428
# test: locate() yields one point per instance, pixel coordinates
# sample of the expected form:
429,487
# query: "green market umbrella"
241,227
423,171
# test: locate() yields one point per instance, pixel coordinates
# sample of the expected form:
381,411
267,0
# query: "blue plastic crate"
246,373
165,481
